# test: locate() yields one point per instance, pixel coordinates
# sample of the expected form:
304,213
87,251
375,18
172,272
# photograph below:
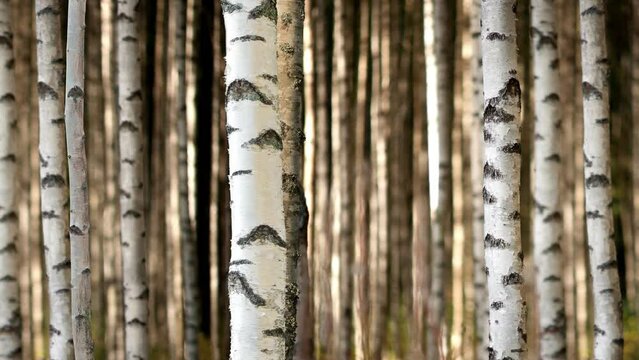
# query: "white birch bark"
132,188
78,184
257,274
476,169
548,255
10,319
502,168
53,176
188,240
608,336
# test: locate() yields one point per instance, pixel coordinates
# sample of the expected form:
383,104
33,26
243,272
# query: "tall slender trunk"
547,186
53,175
635,142
257,275
78,184
10,317
132,213
290,79
608,336
502,138
187,235
361,236
476,166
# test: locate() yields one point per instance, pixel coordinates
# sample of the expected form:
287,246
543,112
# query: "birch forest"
319,179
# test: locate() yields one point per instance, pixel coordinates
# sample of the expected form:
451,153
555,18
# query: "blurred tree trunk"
548,252
133,233
10,319
635,142
362,170
477,165
502,122
53,178
608,342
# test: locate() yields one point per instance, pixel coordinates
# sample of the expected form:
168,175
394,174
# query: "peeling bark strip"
10,322
78,184
131,180
547,223
53,173
188,239
502,123
603,266
257,292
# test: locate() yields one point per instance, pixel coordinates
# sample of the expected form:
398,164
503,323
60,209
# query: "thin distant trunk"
362,168
78,184
10,317
547,187
290,79
132,213
322,234
635,147
257,275
608,336
187,235
502,138
421,205
53,175
441,226
476,168
342,175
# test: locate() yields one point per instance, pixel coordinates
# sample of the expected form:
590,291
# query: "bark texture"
502,169
257,274
608,336
548,226
53,175
188,238
78,185
10,319
132,188
476,168
290,75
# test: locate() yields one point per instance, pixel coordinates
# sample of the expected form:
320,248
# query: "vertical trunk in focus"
608,335
132,212
53,175
10,317
257,275
548,252
502,138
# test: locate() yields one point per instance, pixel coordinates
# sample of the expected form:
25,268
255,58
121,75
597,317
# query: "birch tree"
132,215
53,175
10,319
547,184
608,336
502,138
187,239
257,274
476,168
290,75
78,185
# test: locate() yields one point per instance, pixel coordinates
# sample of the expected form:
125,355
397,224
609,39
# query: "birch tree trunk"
290,75
502,138
548,254
10,318
476,168
635,129
78,185
187,239
132,214
53,175
608,336
257,274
